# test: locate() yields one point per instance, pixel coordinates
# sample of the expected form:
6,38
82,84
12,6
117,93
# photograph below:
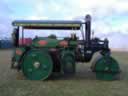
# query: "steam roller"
40,57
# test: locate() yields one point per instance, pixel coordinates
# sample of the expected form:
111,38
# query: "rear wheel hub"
36,65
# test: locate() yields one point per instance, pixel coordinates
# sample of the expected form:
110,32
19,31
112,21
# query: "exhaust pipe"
88,30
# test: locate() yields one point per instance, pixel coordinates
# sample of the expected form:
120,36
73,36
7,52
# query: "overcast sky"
110,17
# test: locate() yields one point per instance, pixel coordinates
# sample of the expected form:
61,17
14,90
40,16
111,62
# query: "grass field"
82,84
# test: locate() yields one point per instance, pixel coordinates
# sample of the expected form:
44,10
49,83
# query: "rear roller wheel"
68,61
37,65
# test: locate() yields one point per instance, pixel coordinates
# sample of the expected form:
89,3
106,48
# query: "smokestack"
87,29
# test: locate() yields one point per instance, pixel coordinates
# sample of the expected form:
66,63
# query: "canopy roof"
48,24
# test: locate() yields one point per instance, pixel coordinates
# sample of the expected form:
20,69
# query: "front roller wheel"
37,65
107,68
98,57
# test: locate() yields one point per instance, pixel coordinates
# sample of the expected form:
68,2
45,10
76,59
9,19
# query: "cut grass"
82,84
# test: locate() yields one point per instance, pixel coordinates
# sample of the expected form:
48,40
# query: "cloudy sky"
109,16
